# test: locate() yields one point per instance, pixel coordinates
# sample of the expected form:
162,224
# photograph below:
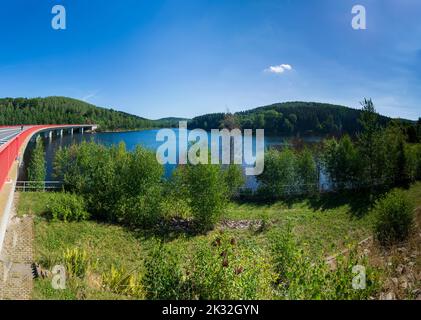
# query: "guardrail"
33,186
9,151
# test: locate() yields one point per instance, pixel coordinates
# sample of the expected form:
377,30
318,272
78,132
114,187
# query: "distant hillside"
291,118
173,119
281,118
170,121
62,110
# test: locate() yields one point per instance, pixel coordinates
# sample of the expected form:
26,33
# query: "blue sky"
184,58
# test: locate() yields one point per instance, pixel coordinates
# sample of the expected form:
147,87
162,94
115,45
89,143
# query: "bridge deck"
6,134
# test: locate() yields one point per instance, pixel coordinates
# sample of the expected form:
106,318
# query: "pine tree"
368,139
37,170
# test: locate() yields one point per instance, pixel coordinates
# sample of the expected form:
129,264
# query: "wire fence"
300,189
37,186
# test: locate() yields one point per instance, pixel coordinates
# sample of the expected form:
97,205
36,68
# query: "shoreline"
131,130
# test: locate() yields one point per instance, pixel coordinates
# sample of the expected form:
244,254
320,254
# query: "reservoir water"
144,138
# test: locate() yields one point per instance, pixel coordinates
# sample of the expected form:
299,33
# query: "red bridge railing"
9,152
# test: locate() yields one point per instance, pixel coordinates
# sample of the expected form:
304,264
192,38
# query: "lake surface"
145,138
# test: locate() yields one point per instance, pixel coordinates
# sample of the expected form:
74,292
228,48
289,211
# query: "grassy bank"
323,226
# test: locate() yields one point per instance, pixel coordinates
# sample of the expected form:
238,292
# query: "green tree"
117,185
395,164
371,145
62,110
307,171
37,168
413,161
260,121
234,179
205,188
394,217
341,161
272,120
279,177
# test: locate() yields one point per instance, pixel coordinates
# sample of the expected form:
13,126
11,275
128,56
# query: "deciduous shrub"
394,217
279,177
287,173
341,162
234,179
66,207
205,189
117,185
142,210
307,172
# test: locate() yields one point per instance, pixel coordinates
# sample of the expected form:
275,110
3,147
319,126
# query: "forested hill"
282,118
291,118
61,110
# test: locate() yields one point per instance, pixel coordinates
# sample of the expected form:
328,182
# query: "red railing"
9,152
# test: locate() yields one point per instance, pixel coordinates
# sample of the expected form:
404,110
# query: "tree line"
128,187
295,118
290,118
377,157
62,110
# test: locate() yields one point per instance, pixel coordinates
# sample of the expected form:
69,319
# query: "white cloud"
279,69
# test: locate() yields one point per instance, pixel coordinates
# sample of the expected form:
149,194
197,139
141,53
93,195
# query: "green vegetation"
305,118
37,167
163,274
123,283
292,118
206,189
123,263
62,110
379,158
289,118
341,162
301,276
225,269
117,185
287,173
128,188
186,238
66,207
76,262
394,217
